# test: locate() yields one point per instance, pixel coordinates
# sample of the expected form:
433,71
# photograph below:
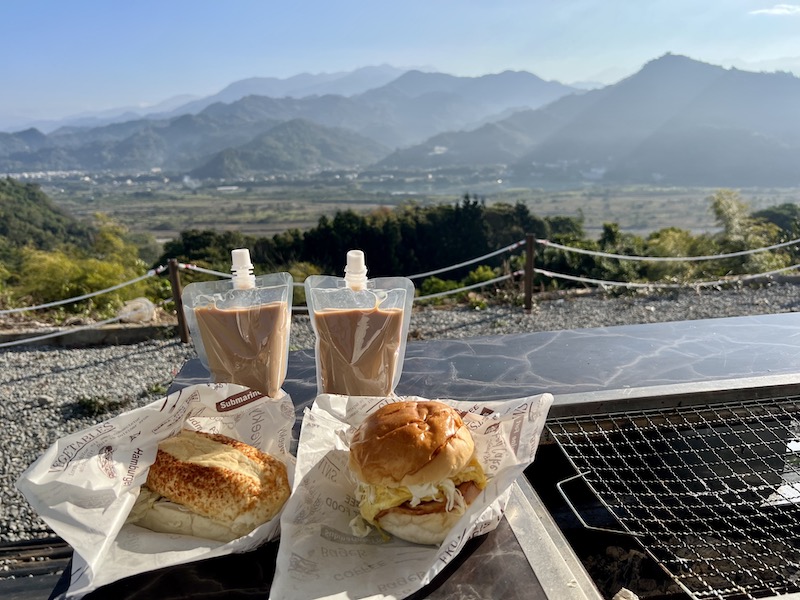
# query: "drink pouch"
240,327
361,327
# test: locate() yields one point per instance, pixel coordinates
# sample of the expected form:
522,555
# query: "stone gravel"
48,392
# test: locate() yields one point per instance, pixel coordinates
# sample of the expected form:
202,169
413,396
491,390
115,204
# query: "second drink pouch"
240,327
361,327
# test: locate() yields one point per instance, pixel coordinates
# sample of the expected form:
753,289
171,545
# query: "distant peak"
675,59
677,64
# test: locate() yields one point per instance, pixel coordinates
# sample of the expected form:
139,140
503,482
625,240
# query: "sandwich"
416,471
210,485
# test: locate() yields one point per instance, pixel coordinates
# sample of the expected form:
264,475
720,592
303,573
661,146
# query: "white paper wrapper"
319,557
86,483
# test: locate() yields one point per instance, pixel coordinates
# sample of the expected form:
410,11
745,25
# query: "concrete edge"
105,335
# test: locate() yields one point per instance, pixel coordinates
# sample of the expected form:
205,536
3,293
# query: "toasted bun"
229,483
410,443
154,512
430,528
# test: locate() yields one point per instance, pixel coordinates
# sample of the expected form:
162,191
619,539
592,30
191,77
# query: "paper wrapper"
319,557
86,483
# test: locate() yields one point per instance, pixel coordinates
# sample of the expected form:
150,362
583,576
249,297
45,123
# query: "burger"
416,470
210,485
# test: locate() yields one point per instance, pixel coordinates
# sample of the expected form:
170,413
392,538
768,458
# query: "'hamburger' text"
133,466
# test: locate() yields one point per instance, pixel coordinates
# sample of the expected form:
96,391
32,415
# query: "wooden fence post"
175,283
530,250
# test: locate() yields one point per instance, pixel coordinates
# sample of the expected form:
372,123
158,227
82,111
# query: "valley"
158,205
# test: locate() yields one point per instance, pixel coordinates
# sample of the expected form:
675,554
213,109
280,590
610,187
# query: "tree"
68,272
741,231
676,242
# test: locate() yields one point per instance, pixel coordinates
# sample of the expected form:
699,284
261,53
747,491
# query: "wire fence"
733,279
529,244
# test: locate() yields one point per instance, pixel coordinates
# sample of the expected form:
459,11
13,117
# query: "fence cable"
664,258
603,283
60,332
150,273
513,246
656,285
192,267
469,287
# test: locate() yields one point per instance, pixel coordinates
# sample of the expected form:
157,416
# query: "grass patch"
96,406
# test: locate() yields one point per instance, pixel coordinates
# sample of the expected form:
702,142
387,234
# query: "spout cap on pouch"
242,269
355,273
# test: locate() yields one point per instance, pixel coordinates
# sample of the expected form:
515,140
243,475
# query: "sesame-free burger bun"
415,468
420,528
410,443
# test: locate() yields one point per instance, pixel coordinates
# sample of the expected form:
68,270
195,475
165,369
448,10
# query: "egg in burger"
416,469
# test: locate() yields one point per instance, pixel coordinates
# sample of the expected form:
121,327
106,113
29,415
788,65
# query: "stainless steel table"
527,556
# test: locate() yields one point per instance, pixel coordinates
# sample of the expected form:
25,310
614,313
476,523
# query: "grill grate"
712,492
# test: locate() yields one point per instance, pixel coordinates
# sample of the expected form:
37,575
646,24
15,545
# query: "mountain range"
677,121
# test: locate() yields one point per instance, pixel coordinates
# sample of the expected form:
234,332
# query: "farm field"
164,210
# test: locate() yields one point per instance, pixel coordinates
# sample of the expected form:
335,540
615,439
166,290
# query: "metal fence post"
530,250
175,283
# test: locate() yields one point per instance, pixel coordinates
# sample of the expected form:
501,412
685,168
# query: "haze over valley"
677,121
266,118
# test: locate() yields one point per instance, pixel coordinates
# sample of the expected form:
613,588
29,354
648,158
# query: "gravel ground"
46,393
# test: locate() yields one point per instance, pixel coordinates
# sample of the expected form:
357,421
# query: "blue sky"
61,58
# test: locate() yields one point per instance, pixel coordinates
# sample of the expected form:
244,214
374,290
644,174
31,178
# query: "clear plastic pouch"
361,326
241,334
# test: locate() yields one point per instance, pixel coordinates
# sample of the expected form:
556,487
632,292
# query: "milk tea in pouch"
240,326
361,327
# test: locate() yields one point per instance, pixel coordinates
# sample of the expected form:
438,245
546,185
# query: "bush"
434,285
479,275
52,276
299,271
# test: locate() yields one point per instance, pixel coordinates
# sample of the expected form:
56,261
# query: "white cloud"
778,9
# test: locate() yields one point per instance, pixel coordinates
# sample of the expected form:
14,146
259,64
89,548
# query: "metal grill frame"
698,487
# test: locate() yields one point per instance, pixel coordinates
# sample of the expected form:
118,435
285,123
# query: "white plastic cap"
242,269
240,259
355,272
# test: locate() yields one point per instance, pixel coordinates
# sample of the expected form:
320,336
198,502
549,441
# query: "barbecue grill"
704,478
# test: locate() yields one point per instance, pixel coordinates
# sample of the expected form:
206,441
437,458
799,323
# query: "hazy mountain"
29,139
405,111
345,83
176,144
647,126
677,120
500,142
298,86
495,92
494,143
98,118
291,147
788,64
417,104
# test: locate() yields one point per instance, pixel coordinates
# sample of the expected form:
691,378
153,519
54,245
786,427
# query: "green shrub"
299,271
434,285
52,276
479,275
